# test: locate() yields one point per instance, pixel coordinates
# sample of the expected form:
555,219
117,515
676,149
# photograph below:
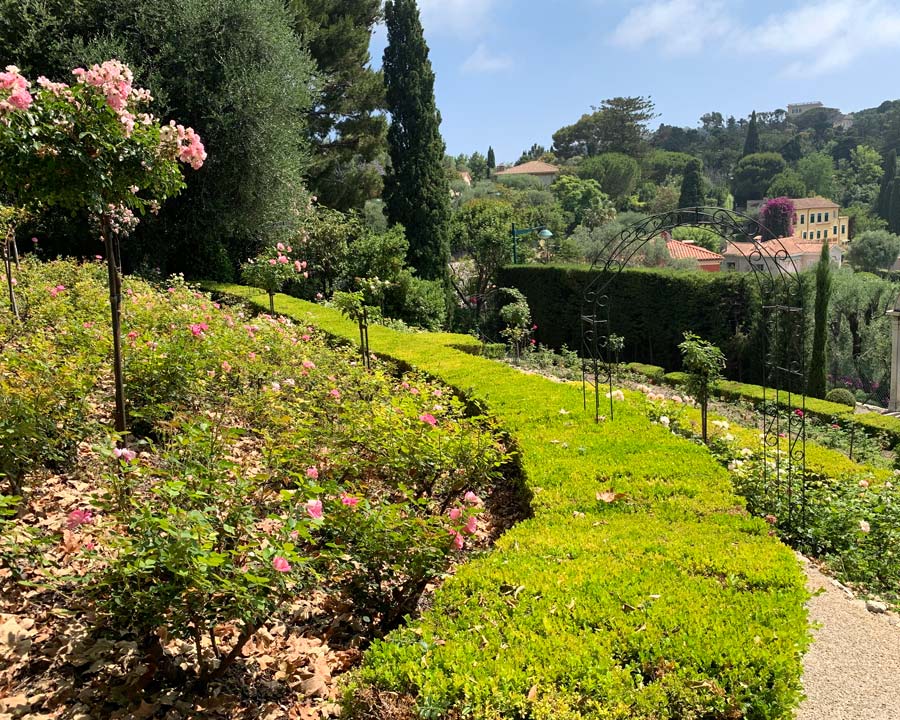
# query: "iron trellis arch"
783,408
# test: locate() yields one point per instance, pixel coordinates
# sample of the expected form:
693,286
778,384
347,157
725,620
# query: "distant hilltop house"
839,119
772,255
707,260
815,218
545,172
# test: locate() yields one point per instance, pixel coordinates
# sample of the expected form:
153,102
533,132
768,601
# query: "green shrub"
676,379
494,351
841,396
654,373
651,309
638,589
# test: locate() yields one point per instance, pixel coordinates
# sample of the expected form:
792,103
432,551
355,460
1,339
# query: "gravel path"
852,669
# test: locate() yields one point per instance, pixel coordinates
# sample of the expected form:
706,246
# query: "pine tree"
751,144
883,208
894,208
491,160
816,383
416,191
345,129
692,186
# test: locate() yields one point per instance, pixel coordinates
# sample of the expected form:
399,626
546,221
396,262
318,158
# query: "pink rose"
428,418
78,517
124,454
336,394
314,509
471,525
312,473
279,564
349,500
454,513
471,498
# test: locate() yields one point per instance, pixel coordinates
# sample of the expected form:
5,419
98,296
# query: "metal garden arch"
783,406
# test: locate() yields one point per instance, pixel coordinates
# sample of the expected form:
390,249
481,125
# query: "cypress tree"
751,143
491,160
691,186
883,208
416,192
894,208
816,383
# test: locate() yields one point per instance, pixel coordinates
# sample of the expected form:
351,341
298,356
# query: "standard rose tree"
91,147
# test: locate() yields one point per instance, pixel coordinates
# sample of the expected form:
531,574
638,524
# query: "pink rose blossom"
309,364
471,498
78,517
455,513
458,540
312,473
305,338
226,366
314,509
273,261
280,247
471,525
125,454
279,564
336,394
349,500
428,418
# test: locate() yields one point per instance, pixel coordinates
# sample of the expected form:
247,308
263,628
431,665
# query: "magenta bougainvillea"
777,216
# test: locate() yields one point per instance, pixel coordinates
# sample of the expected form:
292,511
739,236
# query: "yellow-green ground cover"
640,588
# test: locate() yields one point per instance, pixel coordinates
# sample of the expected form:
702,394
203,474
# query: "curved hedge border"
668,602
872,423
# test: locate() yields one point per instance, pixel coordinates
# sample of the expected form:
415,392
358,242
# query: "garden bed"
640,589
275,509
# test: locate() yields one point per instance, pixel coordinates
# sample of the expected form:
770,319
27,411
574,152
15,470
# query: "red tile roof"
813,202
688,251
771,247
534,167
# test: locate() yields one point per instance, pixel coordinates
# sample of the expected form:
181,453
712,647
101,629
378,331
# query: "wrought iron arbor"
780,286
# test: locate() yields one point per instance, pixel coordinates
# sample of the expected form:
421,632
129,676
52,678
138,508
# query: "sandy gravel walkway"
852,669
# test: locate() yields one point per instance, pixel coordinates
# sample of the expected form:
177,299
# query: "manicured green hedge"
651,372
872,423
668,602
651,309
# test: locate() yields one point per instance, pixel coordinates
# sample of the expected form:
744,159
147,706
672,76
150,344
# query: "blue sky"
511,72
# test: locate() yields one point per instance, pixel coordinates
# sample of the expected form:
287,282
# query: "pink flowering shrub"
348,494
272,268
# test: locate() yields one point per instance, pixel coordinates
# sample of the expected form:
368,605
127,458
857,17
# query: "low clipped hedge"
872,423
639,588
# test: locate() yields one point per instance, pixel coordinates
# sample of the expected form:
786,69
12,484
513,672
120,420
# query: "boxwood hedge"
639,589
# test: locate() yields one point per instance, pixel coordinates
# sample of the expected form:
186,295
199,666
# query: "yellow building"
817,218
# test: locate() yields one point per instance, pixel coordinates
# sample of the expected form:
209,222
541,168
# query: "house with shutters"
818,219
545,172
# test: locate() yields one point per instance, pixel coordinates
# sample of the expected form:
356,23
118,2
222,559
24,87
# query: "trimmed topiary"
842,396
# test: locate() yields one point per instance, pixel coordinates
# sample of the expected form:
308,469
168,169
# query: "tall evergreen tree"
894,214
491,160
692,185
416,191
883,208
751,143
345,129
816,382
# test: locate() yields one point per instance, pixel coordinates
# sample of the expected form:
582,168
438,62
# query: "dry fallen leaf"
609,496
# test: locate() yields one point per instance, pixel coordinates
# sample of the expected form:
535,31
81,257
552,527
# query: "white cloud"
818,38
811,38
483,61
677,27
456,17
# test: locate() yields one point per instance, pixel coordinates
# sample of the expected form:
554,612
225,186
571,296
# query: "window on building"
843,229
818,234
819,218
804,235
801,219
826,234
826,217
731,266
835,229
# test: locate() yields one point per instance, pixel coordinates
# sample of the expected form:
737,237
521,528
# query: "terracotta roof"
813,202
534,167
688,251
771,247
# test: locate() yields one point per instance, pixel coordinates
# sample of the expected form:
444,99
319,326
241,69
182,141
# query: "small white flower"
664,421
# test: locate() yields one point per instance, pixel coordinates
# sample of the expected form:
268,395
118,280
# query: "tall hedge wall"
651,309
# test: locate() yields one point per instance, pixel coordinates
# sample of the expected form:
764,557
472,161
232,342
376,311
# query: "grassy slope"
667,602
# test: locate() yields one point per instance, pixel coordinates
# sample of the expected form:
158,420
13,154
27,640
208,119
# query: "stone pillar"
894,402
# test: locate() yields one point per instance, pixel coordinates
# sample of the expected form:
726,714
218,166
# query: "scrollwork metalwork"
780,286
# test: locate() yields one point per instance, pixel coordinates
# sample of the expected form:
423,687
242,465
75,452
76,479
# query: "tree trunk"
7,265
115,300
